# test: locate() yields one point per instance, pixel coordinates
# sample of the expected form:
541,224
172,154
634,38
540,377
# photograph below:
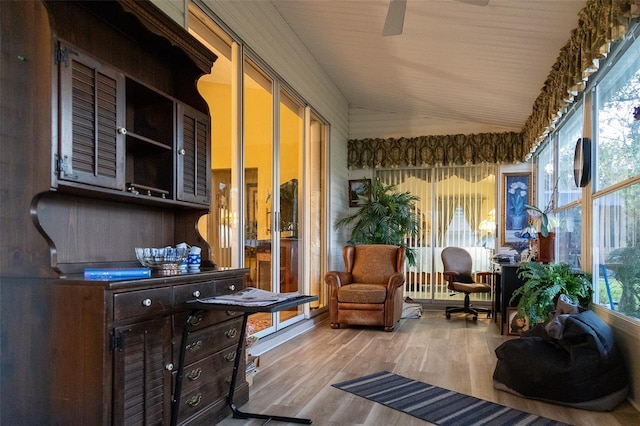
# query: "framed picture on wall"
516,192
358,192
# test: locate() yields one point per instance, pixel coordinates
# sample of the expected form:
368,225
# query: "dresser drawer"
141,302
204,289
212,339
228,285
204,394
206,370
202,319
184,293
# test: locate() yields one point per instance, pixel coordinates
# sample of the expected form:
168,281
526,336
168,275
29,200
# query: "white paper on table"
251,296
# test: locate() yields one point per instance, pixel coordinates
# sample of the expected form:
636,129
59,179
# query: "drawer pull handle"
194,374
231,333
232,287
196,320
196,293
194,346
194,400
169,367
231,313
230,357
146,302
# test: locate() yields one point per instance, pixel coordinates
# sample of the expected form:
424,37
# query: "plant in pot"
544,283
389,218
544,222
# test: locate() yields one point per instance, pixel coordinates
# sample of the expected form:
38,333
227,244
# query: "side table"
199,306
509,281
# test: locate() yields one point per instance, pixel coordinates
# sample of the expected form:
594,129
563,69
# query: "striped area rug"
437,405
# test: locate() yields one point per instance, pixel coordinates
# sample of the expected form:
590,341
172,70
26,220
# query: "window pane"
616,224
568,135
618,137
569,235
544,176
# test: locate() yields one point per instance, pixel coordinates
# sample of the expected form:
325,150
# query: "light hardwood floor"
294,379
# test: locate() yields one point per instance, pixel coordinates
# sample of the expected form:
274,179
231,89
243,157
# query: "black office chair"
457,271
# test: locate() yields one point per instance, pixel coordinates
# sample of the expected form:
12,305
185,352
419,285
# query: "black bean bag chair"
582,369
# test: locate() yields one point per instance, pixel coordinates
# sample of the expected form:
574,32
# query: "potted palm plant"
389,218
544,283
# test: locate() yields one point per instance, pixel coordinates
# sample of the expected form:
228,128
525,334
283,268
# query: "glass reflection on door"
258,163
290,170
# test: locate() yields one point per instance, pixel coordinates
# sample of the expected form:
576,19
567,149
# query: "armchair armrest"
336,279
395,281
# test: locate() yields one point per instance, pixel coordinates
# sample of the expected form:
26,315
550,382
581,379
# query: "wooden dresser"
117,348
106,146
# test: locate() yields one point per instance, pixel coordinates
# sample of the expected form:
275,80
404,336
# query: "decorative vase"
518,221
546,248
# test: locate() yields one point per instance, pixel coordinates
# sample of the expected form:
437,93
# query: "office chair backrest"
456,259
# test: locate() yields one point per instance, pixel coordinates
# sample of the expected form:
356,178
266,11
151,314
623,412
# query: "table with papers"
248,301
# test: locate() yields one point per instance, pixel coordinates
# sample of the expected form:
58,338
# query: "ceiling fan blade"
395,18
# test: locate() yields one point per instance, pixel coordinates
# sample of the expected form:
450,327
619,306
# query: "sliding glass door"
268,150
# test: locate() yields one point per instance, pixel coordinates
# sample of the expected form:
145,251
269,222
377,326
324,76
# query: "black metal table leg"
175,402
237,414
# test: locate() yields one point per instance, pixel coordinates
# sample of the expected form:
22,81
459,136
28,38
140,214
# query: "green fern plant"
389,218
544,283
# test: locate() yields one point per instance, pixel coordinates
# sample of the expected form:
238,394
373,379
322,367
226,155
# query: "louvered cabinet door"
193,159
142,373
91,105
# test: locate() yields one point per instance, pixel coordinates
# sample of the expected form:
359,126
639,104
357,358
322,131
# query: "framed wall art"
359,194
516,324
516,192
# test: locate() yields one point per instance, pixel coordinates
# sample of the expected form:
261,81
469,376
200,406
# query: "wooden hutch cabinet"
105,147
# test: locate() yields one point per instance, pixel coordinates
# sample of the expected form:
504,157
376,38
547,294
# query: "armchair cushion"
362,293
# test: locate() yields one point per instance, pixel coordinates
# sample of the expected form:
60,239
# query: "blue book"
116,273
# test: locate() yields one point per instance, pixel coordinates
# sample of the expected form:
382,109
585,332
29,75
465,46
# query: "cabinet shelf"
133,137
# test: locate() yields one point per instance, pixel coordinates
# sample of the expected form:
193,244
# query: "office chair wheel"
448,315
475,318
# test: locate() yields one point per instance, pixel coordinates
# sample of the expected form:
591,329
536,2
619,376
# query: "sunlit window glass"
618,132
568,135
617,250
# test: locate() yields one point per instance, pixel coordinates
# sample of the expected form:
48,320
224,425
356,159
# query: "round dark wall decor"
582,162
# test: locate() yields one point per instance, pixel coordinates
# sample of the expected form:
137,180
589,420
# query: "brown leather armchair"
457,264
370,291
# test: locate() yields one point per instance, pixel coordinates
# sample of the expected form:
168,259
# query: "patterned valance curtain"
600,23
447,150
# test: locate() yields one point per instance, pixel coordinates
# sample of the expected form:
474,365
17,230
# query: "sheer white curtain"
454,201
